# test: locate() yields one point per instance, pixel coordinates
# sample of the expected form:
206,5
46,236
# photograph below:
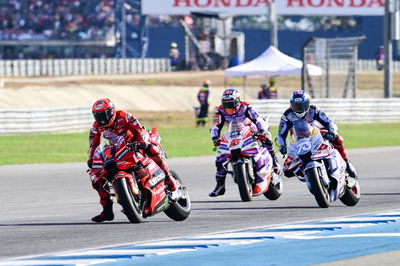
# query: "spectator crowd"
56,19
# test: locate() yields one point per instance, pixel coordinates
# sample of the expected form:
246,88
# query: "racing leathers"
313,114
129,127
248,115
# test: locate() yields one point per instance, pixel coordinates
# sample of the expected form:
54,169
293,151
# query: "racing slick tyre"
179,209
319,191
352,195
241,176
129,203
274,191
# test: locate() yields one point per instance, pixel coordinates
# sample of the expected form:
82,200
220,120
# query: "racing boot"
107,213
219,189
169,179
350,169
275,165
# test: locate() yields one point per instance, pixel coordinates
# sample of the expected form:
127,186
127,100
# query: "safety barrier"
68,67
78,119
341,110
362,65
68,119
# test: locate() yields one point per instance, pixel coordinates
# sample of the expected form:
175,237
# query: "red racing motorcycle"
137,182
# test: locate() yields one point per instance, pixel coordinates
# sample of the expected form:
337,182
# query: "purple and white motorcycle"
251,162
313,160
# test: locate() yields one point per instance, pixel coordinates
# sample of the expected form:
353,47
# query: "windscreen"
235,128
301,130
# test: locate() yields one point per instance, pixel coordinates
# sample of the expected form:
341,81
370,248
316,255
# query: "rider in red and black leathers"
108,123
301,110
233,109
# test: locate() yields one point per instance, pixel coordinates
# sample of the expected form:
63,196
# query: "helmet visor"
300,107
228,105
102,117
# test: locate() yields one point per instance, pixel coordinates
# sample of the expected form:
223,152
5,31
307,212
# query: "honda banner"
260,7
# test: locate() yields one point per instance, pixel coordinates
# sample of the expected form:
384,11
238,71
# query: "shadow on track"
75,224
216,201
258,208
380,194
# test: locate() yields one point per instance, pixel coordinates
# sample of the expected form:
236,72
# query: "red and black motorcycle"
137,182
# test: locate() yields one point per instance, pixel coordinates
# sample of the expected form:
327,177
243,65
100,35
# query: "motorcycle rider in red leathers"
233,109
108,123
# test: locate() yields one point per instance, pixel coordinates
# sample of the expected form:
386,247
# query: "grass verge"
177,141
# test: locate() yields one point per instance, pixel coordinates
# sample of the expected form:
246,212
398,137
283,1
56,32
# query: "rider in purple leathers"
233,109
301,110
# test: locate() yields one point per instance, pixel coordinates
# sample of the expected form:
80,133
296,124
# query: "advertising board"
260,7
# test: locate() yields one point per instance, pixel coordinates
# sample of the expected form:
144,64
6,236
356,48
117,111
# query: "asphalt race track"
47,208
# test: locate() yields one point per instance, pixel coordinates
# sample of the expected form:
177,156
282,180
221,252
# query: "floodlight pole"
388,63
274,23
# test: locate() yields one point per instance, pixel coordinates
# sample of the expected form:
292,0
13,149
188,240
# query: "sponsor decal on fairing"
158,176
122,154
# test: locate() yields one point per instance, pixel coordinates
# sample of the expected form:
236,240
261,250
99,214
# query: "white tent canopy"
272,63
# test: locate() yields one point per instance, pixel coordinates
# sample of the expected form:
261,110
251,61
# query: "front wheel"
129,203
180,208
275,188
241,176
319,191
352,195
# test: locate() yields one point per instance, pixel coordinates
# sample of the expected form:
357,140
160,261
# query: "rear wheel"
275,190
179,209
319,191
130,204
352,195
241,176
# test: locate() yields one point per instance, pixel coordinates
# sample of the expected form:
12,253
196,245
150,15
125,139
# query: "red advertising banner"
260,7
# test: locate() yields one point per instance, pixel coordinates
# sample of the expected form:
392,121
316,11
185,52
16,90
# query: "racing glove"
216,141
283,149
135,146
331,136
90,163
262,136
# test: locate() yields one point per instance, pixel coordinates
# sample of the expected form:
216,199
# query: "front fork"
131,180
249,169
321,171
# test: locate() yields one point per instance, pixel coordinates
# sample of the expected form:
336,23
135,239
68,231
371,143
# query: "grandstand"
39,29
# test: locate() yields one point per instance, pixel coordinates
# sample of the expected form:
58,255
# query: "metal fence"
68,67
341,110
78,119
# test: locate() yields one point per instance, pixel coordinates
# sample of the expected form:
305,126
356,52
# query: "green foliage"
177,142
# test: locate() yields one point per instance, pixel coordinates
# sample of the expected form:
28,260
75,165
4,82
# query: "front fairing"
308,146
308,139
238,141
115,152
